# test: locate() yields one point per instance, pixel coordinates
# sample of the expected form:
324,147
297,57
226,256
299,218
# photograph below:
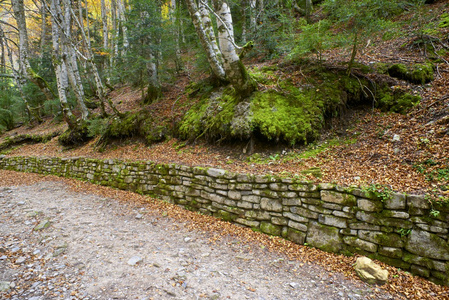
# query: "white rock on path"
370,272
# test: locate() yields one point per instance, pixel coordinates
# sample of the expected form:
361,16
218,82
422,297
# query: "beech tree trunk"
60,65
25,70
234,68
104,20
71,61
204,29
174,18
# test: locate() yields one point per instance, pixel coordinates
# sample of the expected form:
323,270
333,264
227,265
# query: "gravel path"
100,248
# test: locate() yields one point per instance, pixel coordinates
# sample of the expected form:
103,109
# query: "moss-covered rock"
419,73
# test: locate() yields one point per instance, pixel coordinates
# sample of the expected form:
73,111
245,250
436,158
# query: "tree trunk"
234,68
253,15
25,69
101,91
60,66
204,29
174,17
104,20
122,19
71,61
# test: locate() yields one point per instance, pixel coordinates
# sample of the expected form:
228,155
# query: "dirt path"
100,248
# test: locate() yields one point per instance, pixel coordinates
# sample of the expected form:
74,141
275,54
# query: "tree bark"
25,70
59,64
71,61
204,29
234,68
104,20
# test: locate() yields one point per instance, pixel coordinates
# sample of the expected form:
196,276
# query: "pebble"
134,260
20,260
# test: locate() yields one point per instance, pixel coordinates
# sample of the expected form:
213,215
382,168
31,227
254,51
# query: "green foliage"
315,38
360,19
6,119
444,21
381,191
404,232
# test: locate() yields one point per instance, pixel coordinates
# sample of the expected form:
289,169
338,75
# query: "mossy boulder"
418,74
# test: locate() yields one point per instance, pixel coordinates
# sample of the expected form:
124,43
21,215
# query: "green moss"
418,74
270,229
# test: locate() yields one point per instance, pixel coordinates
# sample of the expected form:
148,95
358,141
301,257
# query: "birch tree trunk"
234,68
25,70
59,64
204,29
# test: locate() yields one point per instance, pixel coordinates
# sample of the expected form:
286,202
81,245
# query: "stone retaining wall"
406,231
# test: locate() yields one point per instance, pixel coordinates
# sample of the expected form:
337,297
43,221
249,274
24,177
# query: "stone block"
271,205
244,204
258,215
244,186
251,198
295,217
420,271
332,206
249,223
291,202
288,194
324,237
303,212
337,197
215,172
396,201
332,221
296,236
427,244
277,187
398,214
381,238
244,178
297,226
369,205
279,221
417,201
270,229
343,214
391,252
366,217
360,244
348,231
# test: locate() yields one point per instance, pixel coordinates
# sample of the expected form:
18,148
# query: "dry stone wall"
406,231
